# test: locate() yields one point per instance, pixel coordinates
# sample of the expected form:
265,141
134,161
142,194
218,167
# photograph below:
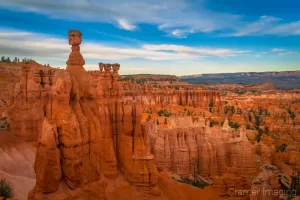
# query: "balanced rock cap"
75,32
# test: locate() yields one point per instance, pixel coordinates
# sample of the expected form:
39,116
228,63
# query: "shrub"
248,127
163,113
295,185
188,113
226,109
180,101
166,113
250,117
211,104
282,148
258,119
5,189
160,113
260,133
234,125
213,123
292,114
195,183
148,118
266,130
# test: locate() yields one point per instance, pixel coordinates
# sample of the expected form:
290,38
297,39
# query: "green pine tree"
2,59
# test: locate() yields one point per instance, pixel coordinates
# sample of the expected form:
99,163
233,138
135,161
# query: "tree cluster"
164,113
261,132
4,59
6,189
234,125
13,60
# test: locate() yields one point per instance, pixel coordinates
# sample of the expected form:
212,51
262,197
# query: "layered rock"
26,107
160,96
17,163
188,144
89,134
231,183
241,155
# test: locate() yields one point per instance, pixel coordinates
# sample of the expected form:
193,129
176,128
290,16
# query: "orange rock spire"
75,39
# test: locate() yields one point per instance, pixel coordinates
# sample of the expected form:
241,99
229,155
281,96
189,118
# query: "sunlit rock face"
159,97
186,146
27,102
90,132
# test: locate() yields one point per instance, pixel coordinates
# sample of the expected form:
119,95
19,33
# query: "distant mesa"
282,80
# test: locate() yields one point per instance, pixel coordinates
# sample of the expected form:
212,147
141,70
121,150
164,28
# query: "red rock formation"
26,108
266,185
152,96
185,142
92,136
174,190
89,133
230,183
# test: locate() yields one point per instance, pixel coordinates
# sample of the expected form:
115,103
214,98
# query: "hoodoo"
90,134
98,136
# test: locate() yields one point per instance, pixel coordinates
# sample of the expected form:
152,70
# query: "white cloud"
194,50
284,29
288,53
178,18
13,43
150,58
178,33
278,50
261,25
268,25
126,25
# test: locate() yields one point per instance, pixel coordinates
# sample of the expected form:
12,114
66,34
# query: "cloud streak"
268,25
13,43
178,18
195,50
144,58
124,24
277,50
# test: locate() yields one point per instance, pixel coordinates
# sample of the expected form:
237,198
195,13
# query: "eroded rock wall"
160,96
89,133
185,146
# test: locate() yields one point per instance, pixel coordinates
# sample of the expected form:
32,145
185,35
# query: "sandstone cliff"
88,137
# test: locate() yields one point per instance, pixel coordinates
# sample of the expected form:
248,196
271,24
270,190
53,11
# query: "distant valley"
282,80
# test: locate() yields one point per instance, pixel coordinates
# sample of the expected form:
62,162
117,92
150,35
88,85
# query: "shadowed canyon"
76,134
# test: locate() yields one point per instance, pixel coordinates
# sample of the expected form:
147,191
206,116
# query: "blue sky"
157,36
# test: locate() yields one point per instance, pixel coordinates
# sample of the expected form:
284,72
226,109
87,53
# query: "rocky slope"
17,163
